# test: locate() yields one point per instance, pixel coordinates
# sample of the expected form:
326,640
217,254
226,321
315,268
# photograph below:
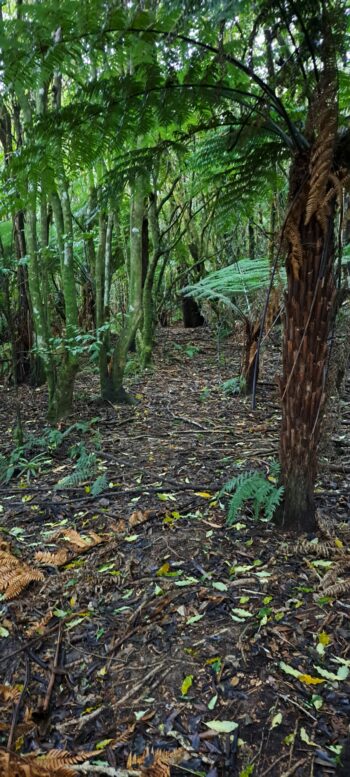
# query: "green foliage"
234,386
99,485
241,279
253,487
84,470
21,461
18,464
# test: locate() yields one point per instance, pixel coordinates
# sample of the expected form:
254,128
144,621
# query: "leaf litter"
140,611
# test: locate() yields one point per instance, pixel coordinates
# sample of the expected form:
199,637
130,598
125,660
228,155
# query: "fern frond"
85,469
15,575
99,485
252,487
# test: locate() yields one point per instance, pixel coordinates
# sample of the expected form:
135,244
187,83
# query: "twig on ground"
51,684
18,706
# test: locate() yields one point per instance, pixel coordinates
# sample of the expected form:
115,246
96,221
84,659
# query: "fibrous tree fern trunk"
309,305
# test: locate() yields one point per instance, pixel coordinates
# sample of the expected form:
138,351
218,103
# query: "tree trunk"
134,314
192,316
308,317
252,333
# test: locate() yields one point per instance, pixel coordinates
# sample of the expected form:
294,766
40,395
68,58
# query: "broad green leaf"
194,619
276,720
317,701
241,613
222,726
289,669
220,586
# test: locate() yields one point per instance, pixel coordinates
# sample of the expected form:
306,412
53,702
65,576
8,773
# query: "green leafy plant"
253,487
18,464
234,385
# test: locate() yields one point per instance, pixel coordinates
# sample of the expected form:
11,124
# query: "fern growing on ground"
85,469
99,485
253,487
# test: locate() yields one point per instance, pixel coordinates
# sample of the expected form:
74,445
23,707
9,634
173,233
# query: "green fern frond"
252,487
99,485
85,469
243,278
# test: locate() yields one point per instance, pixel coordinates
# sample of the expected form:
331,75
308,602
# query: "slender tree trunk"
42,335
252,333
103,293
251,240
148,312
67,366
28,366
134,314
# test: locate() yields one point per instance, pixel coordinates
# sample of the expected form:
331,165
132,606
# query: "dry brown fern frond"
331,578
39,626
156,763
52,559
321,159
22,730
56,763
15,575
343,587
9,693
321,549
326,525
292,235
74,538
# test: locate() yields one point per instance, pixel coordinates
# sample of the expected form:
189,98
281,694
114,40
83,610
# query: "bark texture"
308,318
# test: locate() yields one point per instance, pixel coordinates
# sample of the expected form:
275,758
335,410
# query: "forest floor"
157,635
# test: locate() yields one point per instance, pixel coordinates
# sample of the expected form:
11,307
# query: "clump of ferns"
258,489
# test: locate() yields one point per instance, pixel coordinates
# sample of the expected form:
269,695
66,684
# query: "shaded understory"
169,591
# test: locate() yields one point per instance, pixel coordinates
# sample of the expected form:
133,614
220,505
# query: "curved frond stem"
299,140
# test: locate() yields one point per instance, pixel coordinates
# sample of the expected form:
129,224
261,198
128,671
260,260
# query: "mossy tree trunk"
148,312
102,286
66,358
42,333
134,313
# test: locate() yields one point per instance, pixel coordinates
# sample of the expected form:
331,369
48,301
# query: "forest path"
154,617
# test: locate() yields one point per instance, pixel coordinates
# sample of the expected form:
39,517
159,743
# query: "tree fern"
252,487
243,278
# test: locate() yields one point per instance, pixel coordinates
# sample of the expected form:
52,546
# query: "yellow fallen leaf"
324,638
338,543
308,680
163,569
204,494
186,685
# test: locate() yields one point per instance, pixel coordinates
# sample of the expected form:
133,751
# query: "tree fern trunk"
308,317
